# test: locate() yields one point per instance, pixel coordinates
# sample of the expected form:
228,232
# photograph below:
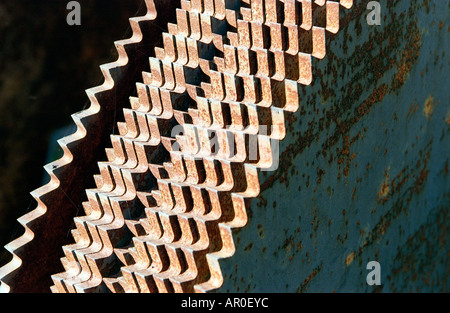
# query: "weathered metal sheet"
364,170
164,214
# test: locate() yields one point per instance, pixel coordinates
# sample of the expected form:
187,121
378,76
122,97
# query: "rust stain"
423,251
380,63
349,259
409,58
428,107
418,175
412,109
304,286
384,188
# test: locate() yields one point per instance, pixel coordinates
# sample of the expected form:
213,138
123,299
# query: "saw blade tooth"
225,74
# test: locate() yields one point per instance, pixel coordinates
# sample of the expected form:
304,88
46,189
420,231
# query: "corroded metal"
363,170
59,201
163,213
192,148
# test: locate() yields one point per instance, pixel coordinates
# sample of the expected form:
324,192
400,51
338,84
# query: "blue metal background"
364,167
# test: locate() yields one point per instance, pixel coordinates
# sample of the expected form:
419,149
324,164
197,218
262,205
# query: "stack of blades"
47,226
184,167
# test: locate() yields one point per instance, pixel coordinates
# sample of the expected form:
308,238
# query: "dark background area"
45,66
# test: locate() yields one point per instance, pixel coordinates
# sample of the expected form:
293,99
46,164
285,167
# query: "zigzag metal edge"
56,168
90,250
216,279
212,259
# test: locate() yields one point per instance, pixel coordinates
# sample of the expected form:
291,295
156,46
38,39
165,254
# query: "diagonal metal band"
46,226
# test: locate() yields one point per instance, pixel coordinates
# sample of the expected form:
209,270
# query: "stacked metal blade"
184,166
47,226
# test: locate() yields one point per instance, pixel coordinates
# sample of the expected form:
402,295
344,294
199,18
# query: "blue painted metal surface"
364,167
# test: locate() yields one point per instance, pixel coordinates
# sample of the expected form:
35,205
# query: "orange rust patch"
304,285
428,107
412,109
349,259
409,57
384,189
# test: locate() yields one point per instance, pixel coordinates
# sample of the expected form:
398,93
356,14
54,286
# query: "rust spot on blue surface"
362,173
